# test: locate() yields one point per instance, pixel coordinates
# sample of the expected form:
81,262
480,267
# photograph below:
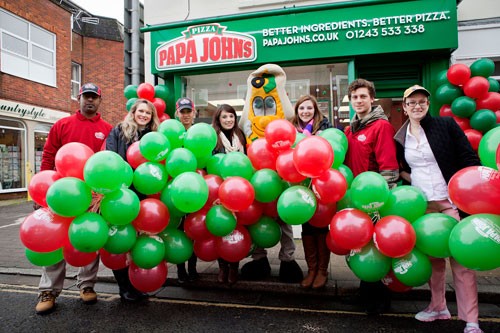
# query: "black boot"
192,273
182,275
232,277
128,292
376,297
290,272
256,270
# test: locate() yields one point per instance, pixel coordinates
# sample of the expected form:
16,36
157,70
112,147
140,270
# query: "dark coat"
115,141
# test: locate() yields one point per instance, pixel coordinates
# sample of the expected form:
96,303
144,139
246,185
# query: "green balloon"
494,85
178,246
180,160
267,185
345,202
130,91
433,233
296,205
447,93
88,232
189,192
406,201
488,148
173,222
483,120
463,106
236,164
482,67
335,135
174,131
120,207
201,161
213,164
150,178
414,269
265,233
475,242
201,139
161,91
368,264
441,78
348,175
369,191
339,152
154,146
105,172
148,251
130,103
121,238
166,198
69,196
128,175
220,221
299,137
44,258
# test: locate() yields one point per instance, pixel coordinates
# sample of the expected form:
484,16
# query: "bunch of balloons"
470,95
155,94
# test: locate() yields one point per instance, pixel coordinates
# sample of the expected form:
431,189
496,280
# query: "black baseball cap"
90,88
184,103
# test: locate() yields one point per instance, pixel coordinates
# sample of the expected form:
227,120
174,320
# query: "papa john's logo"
203,45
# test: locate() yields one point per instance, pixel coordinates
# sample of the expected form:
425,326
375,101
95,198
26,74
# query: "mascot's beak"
264,121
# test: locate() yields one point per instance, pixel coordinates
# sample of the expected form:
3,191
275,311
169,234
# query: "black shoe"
182,276
193,276
256,270
290,272
377,307
132,296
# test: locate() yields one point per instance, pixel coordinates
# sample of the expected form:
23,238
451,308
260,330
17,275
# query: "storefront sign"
26,111
346,31
204,45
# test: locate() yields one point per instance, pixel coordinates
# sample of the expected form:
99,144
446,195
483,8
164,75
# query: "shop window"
327,82
12,156
76,79
41,133
27,50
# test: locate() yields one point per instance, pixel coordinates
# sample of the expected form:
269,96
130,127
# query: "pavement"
342,283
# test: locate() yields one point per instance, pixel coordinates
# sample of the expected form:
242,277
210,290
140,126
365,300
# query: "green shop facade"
321,48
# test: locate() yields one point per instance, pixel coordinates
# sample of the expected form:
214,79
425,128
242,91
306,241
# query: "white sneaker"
472,329
428,316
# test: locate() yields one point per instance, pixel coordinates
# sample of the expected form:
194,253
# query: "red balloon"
476,87
391,281
114,261
323,214
458,74
394,236
148,280
330,186
164,117
490,101
280,134
286,168
334,248
464,123
195,227
262,155
153,216
206,249
159,105
270,209
351,228
39,185
498,158
77,258
475,190
146,91
250,215
44,231
236,193
312,156
201,172
445,111
213,182
70,159
235,246
474,136
134,156
497,113
155,196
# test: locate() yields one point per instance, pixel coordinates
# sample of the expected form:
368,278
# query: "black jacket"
116,142
450,146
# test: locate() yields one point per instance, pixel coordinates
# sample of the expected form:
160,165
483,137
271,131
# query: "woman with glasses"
430,151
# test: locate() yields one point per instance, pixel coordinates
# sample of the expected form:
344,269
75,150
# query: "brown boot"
323,262
223,271
311,253
233,273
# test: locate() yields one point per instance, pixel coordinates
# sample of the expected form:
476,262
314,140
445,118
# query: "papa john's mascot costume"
266,100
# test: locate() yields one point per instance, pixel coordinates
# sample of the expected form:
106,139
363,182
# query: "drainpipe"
135,43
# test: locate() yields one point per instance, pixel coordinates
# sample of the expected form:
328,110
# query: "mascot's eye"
258,82
258,106
270,106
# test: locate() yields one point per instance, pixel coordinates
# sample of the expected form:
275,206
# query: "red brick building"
49,48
